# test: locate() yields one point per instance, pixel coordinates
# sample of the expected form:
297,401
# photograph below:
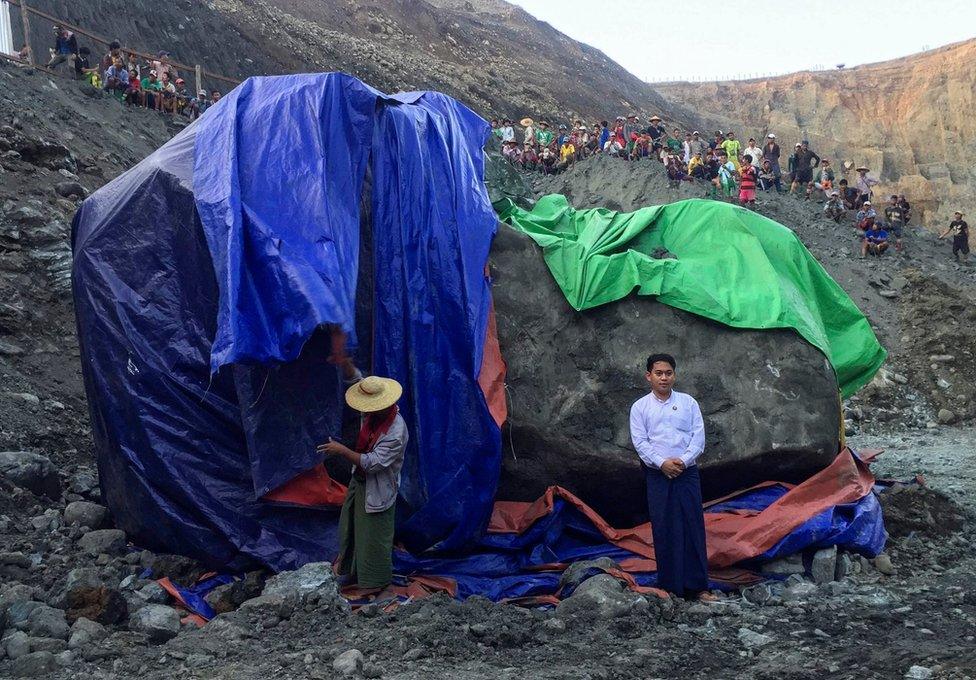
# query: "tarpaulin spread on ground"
203,279
722,262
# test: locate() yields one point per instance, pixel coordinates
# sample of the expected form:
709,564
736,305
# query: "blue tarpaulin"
203,277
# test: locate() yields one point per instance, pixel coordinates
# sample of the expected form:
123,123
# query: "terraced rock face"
909,120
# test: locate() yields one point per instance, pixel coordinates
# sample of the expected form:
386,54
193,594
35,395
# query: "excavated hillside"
909,120
494,56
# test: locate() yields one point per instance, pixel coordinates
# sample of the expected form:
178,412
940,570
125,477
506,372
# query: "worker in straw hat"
367,518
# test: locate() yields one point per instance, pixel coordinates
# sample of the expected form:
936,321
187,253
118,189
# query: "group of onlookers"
733,171
154,84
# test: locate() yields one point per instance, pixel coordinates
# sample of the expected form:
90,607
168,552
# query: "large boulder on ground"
769,398
157,622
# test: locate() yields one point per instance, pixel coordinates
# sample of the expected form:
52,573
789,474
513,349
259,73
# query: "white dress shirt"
667,429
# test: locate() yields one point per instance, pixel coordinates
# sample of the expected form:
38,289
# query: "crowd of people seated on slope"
154,84
733,171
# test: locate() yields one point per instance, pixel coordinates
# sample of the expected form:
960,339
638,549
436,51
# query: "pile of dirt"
917,509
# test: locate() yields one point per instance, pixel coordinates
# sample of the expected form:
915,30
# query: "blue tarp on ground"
202,279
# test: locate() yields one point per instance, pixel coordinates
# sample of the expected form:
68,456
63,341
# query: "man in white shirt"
668,432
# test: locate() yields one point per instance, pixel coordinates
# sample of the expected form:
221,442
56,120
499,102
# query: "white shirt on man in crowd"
673,428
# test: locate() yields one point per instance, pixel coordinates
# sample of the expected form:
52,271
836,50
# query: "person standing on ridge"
804,161
960,237
863,184
755,152
667,429
367,518
771,153
895,217
732,147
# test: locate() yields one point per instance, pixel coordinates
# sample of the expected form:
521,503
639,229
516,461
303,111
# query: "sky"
659,40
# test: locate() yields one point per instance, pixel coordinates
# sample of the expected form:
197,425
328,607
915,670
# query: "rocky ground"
73,603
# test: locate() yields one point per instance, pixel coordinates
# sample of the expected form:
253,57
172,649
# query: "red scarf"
374,426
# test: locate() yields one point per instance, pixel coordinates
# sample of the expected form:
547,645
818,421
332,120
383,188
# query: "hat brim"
371,403
652,119
526,121
863,168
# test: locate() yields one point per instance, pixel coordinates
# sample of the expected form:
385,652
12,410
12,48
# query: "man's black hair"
843,181
654,358
115,45
747,157
84,51
604,123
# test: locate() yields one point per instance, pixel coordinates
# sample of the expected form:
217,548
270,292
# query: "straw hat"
654,118
373,394
525,122
861,167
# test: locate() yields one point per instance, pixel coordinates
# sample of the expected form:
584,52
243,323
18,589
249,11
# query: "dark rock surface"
769,398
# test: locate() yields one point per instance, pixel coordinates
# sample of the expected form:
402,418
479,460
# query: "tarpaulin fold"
716,260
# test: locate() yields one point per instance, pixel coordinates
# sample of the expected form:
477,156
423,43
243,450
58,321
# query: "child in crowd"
747,183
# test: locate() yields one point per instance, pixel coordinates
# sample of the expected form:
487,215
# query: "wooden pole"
199,75
25,22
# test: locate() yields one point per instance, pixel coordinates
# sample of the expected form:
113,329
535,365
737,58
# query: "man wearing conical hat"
367,519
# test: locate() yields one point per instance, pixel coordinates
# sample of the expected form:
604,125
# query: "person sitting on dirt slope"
895,217
875,241
834,207
84,69
510,151
133,95
65,45
747,184
848,195
696,168
824,179
151,88
907,207
567,154
960,237
547,160
116,79
867,212
668,432
168,91
677,171
657,131
114,52
769,178
529,158
508,130
367,518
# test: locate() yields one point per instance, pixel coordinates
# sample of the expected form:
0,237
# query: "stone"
784,566
372,670
83,483
86,514
774,417
314,581
31,471
348,663
17,644
15,592
33,665
824,565
946,417
79,578
845,566
758,594
229,597
577,572
84,631
153,593
110,541
883,564
157,622
918,673
750,639
413,654
45,621
70,189
18,613
46,644
799,592
601,596
15,559
103,604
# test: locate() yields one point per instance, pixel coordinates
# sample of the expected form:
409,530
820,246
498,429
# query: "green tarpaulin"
722,262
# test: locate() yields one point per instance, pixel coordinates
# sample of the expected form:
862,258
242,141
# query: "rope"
511,410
